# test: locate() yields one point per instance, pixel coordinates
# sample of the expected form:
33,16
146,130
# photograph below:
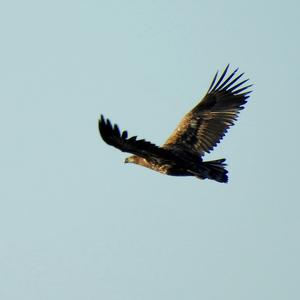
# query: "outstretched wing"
205,125
112,136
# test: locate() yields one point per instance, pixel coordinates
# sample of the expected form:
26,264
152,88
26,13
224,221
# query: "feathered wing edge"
112,136
228,84
231,95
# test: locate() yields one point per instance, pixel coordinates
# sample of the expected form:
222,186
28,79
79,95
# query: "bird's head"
130,159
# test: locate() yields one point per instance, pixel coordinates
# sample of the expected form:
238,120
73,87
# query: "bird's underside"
198,133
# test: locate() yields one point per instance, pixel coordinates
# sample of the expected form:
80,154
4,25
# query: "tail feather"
215,170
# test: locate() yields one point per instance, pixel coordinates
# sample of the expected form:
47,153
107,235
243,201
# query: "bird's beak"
126,160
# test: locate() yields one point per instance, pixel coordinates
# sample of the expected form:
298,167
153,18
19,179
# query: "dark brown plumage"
198,133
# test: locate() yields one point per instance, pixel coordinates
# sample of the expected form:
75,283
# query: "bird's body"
198,133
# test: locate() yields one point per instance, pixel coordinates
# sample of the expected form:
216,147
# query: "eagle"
198,133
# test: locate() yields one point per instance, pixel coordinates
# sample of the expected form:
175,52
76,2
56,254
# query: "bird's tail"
214,170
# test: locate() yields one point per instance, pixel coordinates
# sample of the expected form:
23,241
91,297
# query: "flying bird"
198,133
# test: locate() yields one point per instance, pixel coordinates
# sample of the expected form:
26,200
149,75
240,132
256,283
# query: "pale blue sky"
75,222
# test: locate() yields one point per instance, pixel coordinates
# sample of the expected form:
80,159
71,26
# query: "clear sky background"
75,222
